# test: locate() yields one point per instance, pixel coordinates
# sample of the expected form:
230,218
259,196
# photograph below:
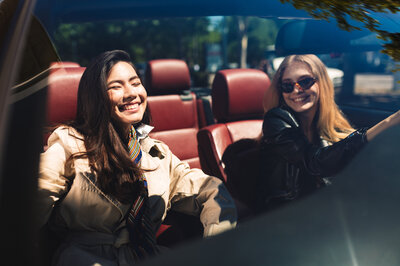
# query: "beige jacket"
95,221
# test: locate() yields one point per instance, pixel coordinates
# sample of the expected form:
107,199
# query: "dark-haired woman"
305,136
106,186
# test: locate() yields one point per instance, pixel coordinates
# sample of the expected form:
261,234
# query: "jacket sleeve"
282,133
53,181
195,193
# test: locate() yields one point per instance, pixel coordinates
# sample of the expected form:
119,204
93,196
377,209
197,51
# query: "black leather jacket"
292,166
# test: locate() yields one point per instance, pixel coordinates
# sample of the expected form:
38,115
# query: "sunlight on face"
127,95
299,100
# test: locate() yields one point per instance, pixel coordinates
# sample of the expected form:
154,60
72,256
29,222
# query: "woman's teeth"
299,99
128,107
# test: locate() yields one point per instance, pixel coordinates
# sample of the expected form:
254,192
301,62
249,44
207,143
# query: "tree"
248,39
144,39
344,10
243,23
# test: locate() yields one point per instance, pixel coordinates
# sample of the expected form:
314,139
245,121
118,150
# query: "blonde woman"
305,138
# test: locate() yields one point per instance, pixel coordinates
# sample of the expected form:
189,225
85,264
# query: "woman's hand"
388,122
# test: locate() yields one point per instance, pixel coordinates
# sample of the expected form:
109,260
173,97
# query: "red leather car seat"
62,95
173,107
237,105
237,96
174,114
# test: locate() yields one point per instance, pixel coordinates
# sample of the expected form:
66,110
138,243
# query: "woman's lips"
300,99
129,107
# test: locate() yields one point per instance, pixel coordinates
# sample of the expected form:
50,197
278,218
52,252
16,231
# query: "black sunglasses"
304,83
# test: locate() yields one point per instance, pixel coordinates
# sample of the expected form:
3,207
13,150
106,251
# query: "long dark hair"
106,148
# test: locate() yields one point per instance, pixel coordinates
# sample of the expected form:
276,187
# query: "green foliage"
143,39
359,11
147,39
261,33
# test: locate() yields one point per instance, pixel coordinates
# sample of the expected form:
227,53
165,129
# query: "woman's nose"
298,87
130,91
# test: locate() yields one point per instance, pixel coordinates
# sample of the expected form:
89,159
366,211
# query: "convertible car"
206,95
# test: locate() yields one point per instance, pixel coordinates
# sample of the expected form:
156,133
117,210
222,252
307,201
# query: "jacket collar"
149,154
147,144
143,131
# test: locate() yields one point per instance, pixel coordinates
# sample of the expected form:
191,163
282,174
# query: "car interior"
173,107
198,123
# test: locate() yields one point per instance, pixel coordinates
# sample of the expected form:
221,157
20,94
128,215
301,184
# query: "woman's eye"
113,88
136,83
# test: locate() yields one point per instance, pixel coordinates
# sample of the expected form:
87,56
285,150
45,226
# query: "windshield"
365,76
208,36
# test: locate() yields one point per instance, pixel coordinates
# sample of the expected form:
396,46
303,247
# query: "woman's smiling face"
300,100
127,95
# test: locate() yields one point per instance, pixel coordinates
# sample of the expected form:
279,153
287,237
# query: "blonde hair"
331,123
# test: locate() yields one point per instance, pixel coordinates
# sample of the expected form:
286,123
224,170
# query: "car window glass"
361,78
